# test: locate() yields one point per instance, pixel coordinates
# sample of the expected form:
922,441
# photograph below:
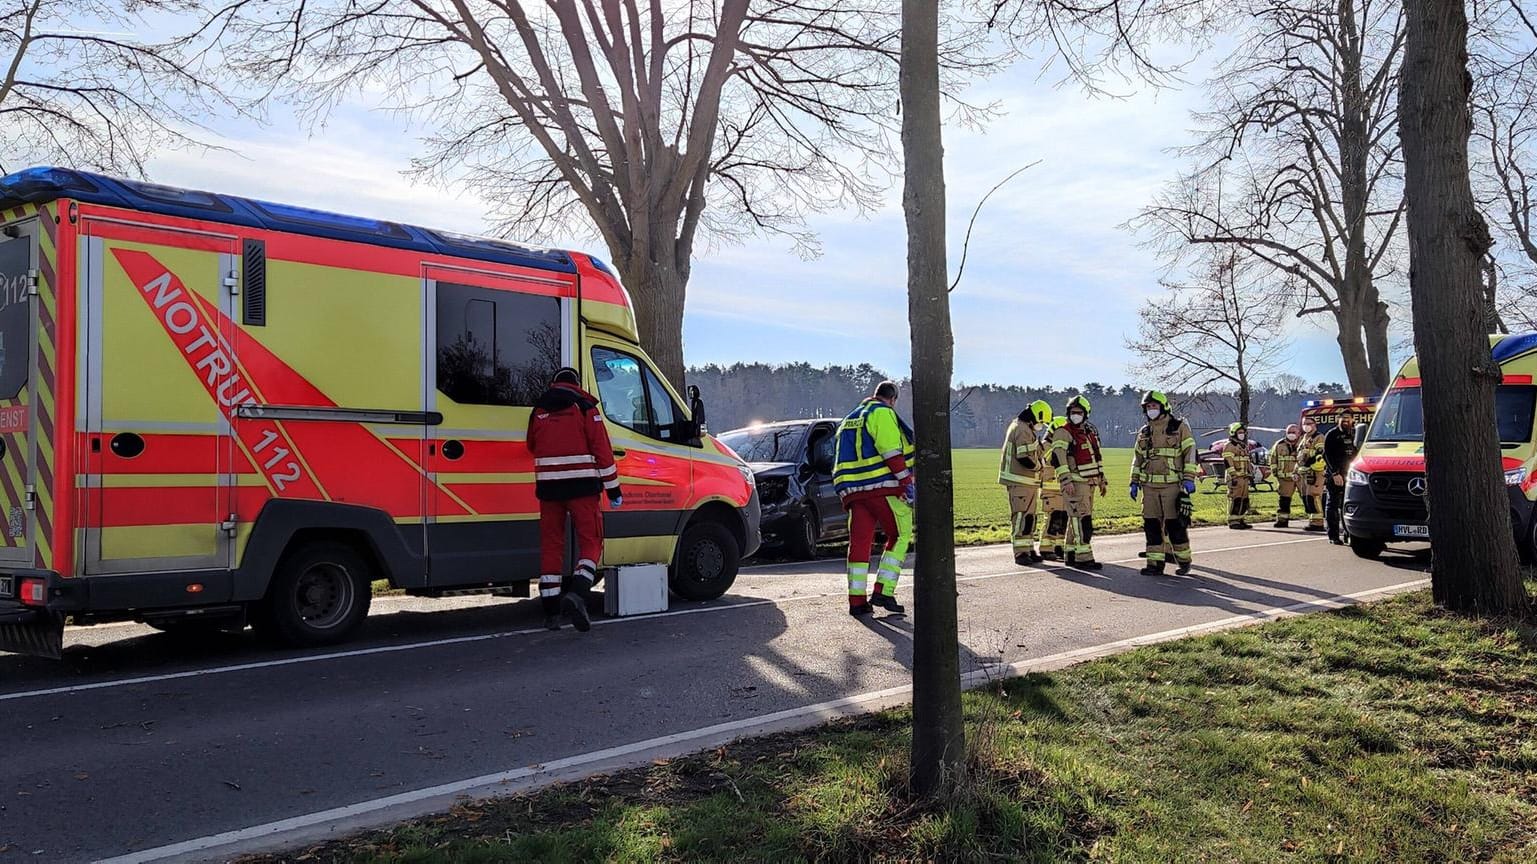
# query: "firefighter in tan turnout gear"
1075,457
1051,531
1163,466
1283,463
1020,473
1310,473
1240,473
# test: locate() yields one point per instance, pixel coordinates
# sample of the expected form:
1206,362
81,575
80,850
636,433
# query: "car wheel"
802,543
1368,549
706,562
319,596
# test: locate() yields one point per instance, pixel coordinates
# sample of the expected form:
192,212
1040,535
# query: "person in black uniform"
1339,452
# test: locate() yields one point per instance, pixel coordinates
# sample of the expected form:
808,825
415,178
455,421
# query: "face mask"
1310,429
1291,436
1075,419
1154,413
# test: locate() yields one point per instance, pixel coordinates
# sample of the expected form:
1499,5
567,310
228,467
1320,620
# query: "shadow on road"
1203,587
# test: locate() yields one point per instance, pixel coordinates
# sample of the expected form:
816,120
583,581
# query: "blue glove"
910,493
1189,487
1135,488
616,502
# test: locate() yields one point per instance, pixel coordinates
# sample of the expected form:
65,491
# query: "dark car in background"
792,462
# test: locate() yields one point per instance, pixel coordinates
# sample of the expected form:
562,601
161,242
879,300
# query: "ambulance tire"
1371,550
319,596
706,563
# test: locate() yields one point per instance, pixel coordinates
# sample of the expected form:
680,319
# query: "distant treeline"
744,393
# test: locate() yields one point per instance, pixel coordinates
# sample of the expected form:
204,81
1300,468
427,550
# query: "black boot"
575,608
890,604
1152,568
1183,569
1090,565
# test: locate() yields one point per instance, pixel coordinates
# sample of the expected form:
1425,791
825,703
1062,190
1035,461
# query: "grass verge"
1390,732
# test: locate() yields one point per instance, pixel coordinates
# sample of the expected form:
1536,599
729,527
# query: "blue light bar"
41,185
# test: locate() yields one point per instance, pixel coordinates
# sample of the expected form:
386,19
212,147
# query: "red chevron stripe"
49,227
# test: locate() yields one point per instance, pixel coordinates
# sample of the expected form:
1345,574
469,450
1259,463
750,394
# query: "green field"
982,506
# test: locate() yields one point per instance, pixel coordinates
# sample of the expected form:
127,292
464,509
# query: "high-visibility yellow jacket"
874,449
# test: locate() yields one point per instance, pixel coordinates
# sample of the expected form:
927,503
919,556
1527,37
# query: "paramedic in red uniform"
573,468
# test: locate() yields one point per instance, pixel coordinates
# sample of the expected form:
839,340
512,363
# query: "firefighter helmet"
1080,402
1039,411
1153,397
1059,421
1234,428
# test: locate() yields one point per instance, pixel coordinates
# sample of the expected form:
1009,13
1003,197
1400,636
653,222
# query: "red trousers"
865,515
587,517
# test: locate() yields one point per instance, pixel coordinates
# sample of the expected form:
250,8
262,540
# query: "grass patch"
1392,732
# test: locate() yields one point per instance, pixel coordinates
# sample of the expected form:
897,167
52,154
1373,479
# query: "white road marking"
505,634
271,834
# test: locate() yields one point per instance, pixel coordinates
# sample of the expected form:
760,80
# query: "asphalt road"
137,741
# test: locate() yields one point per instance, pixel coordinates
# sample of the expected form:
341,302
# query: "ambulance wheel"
319,596
1368,549
706,563
802,545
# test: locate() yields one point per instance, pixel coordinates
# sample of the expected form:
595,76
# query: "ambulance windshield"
1399,417
15,262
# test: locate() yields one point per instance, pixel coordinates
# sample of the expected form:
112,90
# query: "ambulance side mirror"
696,426
1361,429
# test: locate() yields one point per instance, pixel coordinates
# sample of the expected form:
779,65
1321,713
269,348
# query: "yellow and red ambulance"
1386,492
216,410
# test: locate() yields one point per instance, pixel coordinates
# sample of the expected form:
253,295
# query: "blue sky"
1050,291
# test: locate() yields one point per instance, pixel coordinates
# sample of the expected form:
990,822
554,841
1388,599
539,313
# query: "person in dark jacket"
573,469
1339,452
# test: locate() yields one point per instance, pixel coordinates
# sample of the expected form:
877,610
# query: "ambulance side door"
493,345
156,316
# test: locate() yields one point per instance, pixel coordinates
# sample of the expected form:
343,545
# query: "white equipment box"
635,590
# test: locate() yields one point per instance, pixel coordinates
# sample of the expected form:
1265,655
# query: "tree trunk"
1474,565
658,289
1358,369
939,741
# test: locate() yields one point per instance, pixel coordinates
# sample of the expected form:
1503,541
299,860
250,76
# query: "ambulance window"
633,396
15,316
664,418
495,347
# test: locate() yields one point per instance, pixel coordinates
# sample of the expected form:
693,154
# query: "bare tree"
1474,563
1504,160
1224,331
79,87
627,116
1299,166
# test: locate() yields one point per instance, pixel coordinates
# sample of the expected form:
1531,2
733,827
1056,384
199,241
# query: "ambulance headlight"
1357,478
1515,476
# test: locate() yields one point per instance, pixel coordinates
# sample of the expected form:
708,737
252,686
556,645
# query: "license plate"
7,586
1419,531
